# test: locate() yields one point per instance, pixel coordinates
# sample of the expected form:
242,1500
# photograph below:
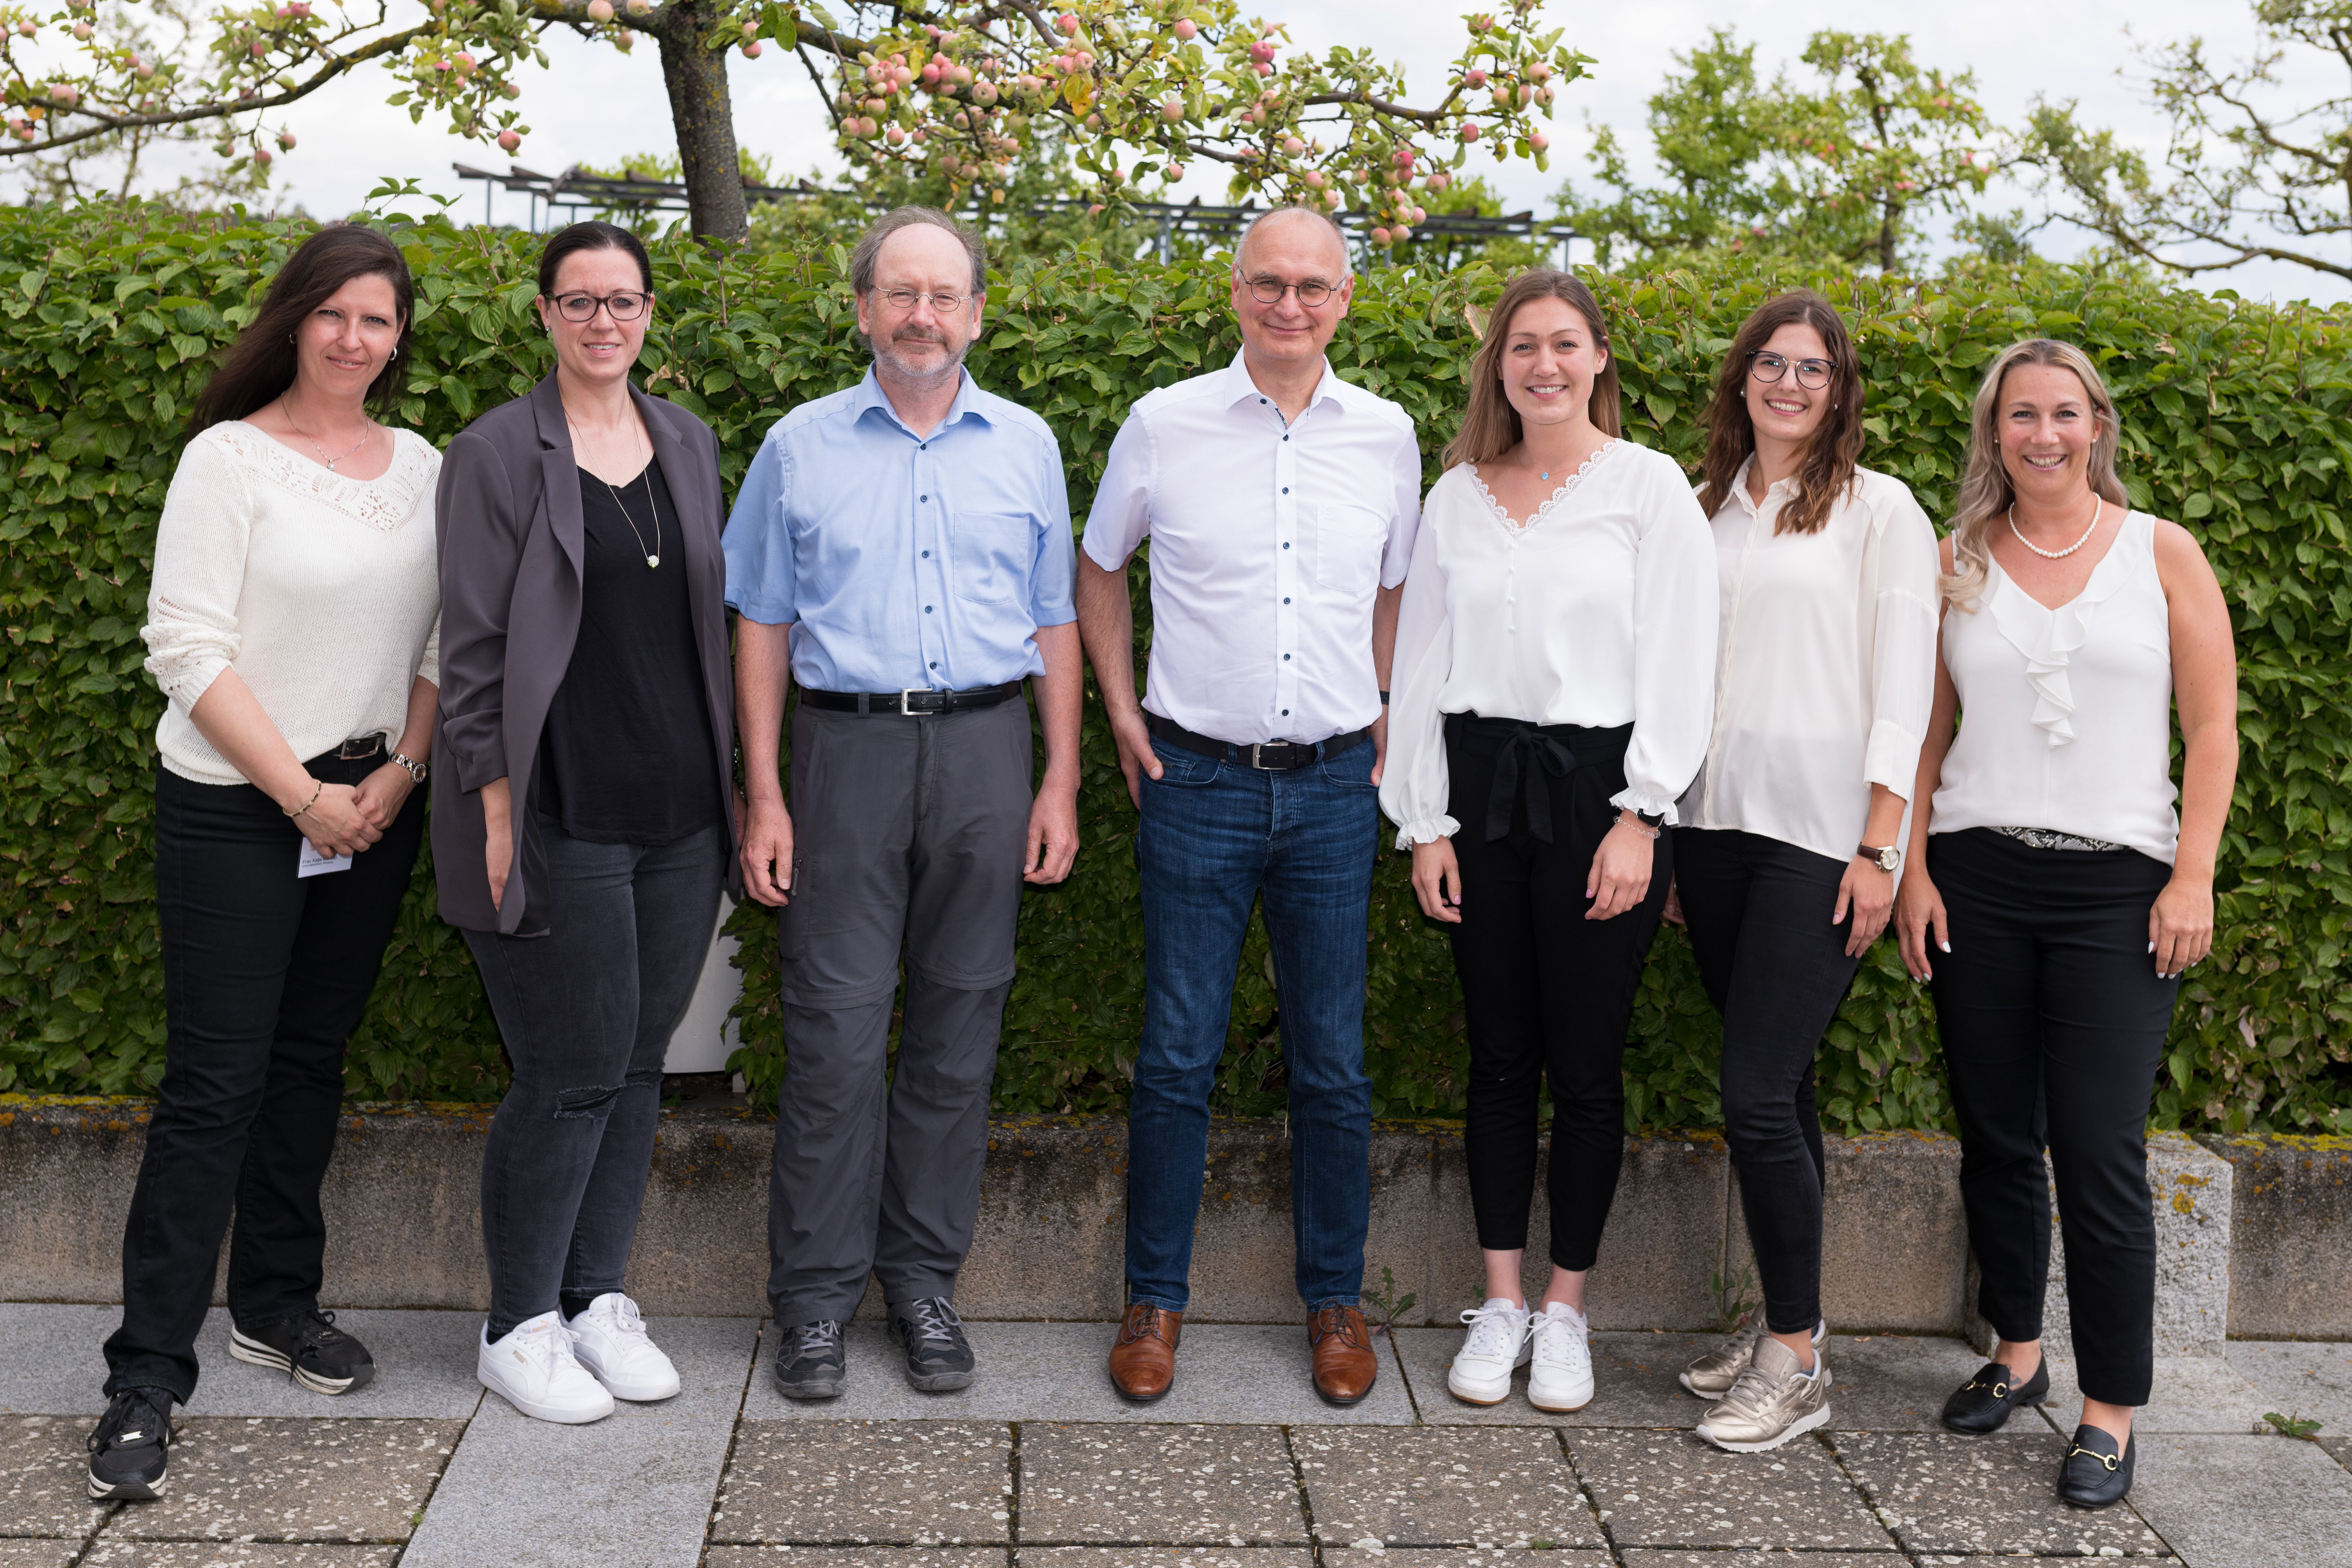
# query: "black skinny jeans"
2053,1023
1758,911
586,1013
264,975
1546,990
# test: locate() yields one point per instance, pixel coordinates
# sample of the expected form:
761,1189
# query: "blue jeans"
1214,836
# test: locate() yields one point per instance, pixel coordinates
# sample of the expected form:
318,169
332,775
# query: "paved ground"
1038,1466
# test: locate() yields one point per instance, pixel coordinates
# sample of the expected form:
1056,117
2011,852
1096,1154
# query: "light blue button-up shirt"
901,560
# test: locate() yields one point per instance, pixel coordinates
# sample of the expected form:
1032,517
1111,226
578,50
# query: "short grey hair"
869,245
1318,214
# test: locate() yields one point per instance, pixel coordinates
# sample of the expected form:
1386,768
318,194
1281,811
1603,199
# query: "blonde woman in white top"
1554,663
2055,897
291,617
1784,867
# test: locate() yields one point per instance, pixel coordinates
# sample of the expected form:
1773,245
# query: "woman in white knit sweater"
293,616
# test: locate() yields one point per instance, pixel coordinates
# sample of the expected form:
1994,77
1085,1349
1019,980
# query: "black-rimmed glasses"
1270,290
1813,374
624,306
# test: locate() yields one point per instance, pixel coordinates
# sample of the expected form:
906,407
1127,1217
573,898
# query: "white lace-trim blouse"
1599,611
1825,664
319,590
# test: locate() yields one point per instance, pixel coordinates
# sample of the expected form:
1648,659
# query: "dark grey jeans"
586,1012
907,833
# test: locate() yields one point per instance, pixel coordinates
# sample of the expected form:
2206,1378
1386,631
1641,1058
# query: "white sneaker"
1496,1346
1559,1376
609,1339
533,1369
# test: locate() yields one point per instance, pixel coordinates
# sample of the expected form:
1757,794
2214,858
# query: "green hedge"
2239,422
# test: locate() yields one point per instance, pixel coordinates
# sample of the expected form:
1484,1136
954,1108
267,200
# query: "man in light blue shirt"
901,549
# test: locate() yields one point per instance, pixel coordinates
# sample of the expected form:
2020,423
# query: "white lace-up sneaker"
609,1339
1495,1347
533,1370
1559,1373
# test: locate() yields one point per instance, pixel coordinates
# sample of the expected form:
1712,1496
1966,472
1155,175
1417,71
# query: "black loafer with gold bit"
2095,1473
1983,1403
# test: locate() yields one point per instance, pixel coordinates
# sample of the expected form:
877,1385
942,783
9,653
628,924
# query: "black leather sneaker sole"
131,1488
245,1348
811,1382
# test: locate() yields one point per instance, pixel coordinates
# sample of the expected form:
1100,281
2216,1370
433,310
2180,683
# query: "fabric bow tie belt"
1531,751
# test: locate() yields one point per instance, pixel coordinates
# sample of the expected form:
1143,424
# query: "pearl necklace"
2098,509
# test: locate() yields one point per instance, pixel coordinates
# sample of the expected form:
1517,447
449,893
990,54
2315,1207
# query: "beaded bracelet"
318,787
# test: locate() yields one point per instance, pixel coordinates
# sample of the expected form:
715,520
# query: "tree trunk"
703,111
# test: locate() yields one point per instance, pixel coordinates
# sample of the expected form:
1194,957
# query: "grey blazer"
510,530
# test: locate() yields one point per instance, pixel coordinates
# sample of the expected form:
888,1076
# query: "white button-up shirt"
1269,541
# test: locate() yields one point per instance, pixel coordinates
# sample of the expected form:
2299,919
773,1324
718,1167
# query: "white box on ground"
705,1038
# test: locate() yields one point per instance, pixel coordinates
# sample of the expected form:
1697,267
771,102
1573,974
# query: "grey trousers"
906,833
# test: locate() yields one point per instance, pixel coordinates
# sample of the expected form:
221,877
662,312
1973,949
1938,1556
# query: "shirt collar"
1777,488
1238,386
870,395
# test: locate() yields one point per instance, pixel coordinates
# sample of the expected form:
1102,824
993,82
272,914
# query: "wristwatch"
1651,818
1885,860
417,770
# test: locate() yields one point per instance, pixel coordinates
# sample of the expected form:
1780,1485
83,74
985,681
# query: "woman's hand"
1620,875
384,792
1870,893
1438,880
2180,926
1918,908
498,835
336,823
1672,911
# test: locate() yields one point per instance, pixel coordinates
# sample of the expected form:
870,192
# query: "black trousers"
1758,911
2053,1023
264,975
1546,990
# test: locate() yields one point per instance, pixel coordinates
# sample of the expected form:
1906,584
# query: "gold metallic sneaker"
1711,1375
1771,1403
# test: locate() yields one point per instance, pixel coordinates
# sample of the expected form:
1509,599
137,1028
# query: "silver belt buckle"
907,691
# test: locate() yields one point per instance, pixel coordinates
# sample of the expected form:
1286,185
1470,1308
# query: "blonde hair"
1986,494
1490,426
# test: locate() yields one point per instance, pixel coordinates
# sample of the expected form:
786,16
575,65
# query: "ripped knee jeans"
586,1013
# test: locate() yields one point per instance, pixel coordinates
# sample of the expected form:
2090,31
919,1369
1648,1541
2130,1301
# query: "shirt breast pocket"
1347,542
991,552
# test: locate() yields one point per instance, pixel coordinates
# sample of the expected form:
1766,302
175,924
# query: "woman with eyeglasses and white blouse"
1555,662
1785,864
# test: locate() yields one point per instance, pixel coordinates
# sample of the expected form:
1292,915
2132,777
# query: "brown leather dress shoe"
1345,1361
1143,1357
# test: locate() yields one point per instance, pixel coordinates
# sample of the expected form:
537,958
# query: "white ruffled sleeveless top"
2066,714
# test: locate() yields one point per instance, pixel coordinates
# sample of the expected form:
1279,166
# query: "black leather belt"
914,702
1266,756
361,749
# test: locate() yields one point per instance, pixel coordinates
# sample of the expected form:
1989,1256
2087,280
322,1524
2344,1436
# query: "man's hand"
1052,836
1380,745
1135,754
768,853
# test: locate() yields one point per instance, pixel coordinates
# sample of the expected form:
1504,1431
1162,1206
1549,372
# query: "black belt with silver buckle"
914,702
1266,756
361,749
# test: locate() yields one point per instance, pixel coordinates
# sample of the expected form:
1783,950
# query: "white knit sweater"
321,591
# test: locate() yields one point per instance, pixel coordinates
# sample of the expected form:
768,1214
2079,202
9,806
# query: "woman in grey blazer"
584,817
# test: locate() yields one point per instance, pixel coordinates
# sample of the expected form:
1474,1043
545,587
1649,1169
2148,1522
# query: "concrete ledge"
405,1232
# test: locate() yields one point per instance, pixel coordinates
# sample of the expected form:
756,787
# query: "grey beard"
887,357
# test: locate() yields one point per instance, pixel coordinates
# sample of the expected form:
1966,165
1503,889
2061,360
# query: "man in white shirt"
1281,503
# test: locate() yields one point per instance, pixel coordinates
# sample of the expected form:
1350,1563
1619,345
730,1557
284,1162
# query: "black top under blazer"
509,525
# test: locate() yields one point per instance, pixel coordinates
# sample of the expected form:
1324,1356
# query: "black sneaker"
810,1361
938,1358
320,1356
126,1450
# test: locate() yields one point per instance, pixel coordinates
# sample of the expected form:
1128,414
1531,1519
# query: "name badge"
311,863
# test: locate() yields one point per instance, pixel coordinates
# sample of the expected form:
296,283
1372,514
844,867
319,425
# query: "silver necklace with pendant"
653,556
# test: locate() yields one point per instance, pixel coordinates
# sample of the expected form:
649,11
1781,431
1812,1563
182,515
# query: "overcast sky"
595,105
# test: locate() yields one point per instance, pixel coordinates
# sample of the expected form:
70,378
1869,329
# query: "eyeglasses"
1270,290
1813,374
942,303
626,306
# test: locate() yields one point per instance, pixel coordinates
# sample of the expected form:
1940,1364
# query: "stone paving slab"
1647,1558
2189,1394
867,1483
1475,1557
44,1479
51,1364
787,1556
1408,1487
50,1553
1895,1383
283,1479
2315,1379
1059,1372
631,1488
1669,1489
1206,1486
2245,1502
1633,1383
1941,1492
236,1554
2340,1447
1162,1557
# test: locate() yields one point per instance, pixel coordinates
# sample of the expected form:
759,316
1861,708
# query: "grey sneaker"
1771,1403
1711,1375
810,1362
938,1356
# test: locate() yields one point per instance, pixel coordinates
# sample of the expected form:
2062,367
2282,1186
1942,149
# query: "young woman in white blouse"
291,624
1785,866
1555,663
2054,897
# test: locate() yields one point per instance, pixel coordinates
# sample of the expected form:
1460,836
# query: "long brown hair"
260,365
1491,425
1826,471
1985,490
